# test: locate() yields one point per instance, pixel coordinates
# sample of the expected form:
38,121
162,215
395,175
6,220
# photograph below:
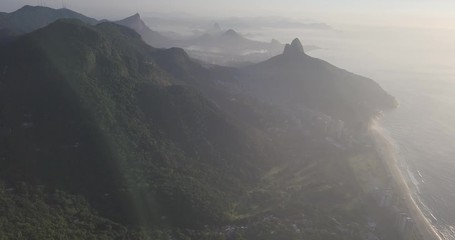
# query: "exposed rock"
294,48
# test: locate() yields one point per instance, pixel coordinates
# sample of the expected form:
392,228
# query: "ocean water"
423,129
417,66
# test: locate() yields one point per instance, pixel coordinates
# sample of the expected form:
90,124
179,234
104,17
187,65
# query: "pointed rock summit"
297,45
295,48
153,38
132,19
136,17
135,22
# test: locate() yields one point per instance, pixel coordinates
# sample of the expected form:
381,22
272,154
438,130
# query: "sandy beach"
386,149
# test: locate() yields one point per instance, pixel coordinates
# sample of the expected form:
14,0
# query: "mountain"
303,133
229,48
292,81
296,80
153,38
30,18
229,42
295,48
109,122
104,136
214,47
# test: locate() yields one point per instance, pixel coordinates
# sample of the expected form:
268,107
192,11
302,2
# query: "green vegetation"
36,213
105,137
112,128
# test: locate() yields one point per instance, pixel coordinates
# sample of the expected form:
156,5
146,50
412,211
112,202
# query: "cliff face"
295,48
151,37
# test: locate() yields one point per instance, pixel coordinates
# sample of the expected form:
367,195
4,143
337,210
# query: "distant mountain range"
103,136
229,47
215,46
30,18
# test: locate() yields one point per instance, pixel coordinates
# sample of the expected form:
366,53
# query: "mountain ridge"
143,143
153,38
29,18
93,103
295,47
316,84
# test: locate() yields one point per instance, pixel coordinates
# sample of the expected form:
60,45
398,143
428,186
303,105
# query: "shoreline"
384,148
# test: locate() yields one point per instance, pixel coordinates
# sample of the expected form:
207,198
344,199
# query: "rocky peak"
135,18
135,22
294,48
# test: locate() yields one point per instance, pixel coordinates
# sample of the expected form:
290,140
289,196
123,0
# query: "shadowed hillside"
107,122
103,133
30,18
151,37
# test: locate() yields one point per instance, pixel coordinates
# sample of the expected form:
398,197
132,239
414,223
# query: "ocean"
417,66
423,132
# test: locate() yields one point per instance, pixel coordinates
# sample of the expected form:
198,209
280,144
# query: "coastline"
385,150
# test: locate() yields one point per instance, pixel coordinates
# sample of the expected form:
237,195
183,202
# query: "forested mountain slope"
104,136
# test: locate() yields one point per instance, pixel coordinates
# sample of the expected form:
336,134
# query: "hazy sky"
375,11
